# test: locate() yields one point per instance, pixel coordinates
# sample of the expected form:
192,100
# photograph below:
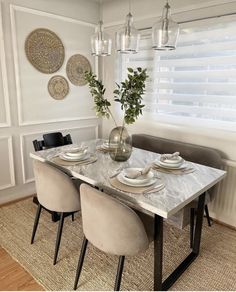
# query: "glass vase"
120,143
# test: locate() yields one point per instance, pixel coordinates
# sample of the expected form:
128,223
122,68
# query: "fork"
153,189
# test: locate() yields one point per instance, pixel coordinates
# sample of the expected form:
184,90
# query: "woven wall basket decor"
44,50
58,87
76,66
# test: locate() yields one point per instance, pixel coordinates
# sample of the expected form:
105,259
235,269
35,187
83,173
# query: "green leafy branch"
102,105
129,94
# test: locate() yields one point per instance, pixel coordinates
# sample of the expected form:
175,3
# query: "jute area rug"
214,269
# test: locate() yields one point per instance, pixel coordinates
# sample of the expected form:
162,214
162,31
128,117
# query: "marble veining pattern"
179,190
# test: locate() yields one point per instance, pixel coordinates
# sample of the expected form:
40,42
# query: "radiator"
223,207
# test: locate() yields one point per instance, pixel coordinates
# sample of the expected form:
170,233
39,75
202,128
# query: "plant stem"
111,116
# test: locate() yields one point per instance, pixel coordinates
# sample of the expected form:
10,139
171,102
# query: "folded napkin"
134,173
174,157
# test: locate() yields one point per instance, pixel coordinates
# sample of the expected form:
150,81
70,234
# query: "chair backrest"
55,189
52,140
110,225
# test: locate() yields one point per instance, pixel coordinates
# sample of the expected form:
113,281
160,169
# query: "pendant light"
101,42
127,38
165,32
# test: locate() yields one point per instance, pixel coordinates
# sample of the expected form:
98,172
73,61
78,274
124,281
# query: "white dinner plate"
170,166
139,180
144,184
63,156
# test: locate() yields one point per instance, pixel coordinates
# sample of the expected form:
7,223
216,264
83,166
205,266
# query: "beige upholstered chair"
113,228
56,192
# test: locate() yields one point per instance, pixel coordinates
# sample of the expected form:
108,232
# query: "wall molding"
39,122
7,123
23,167
11,163
52,15
13,9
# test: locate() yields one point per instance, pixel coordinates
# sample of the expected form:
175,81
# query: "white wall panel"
33,111
4,100
7,177
78,134
35,105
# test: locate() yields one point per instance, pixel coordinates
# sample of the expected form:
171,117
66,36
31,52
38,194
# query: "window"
196,83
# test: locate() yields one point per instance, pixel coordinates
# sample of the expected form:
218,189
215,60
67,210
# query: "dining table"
179,191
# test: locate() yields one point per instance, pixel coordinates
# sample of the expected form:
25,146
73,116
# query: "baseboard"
16,200
224,224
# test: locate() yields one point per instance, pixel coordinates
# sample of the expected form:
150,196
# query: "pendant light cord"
100,10
129,6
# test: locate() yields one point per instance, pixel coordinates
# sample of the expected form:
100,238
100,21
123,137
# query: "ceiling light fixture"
101,42
165,32
127,38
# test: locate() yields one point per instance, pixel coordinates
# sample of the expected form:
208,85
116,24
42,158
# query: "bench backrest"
194,153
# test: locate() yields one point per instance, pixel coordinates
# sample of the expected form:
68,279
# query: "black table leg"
198,226
158,249
158,252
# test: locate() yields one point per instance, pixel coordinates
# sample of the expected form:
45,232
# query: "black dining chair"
51,140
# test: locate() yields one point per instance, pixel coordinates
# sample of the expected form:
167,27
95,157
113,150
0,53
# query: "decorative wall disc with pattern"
76,66
44,50
58,87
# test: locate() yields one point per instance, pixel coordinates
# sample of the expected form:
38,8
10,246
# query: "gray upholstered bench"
194,153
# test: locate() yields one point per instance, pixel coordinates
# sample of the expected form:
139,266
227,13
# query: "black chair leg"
192,217
36,221
119,273
81,261
208,216
73,216
58,241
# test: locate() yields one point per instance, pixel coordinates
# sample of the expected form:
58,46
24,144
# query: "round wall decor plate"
58,87
44,50
76,67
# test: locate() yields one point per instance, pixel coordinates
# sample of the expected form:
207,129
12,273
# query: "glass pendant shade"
101,43
165,32
127,38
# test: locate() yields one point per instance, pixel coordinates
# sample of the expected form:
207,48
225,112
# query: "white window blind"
197,81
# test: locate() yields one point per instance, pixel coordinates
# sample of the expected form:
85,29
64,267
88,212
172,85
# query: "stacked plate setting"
75,154
141,181
172,163
109,146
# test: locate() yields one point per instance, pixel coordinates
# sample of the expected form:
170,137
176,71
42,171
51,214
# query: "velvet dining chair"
56,192
113,228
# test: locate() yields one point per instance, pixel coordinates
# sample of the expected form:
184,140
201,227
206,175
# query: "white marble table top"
179,190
